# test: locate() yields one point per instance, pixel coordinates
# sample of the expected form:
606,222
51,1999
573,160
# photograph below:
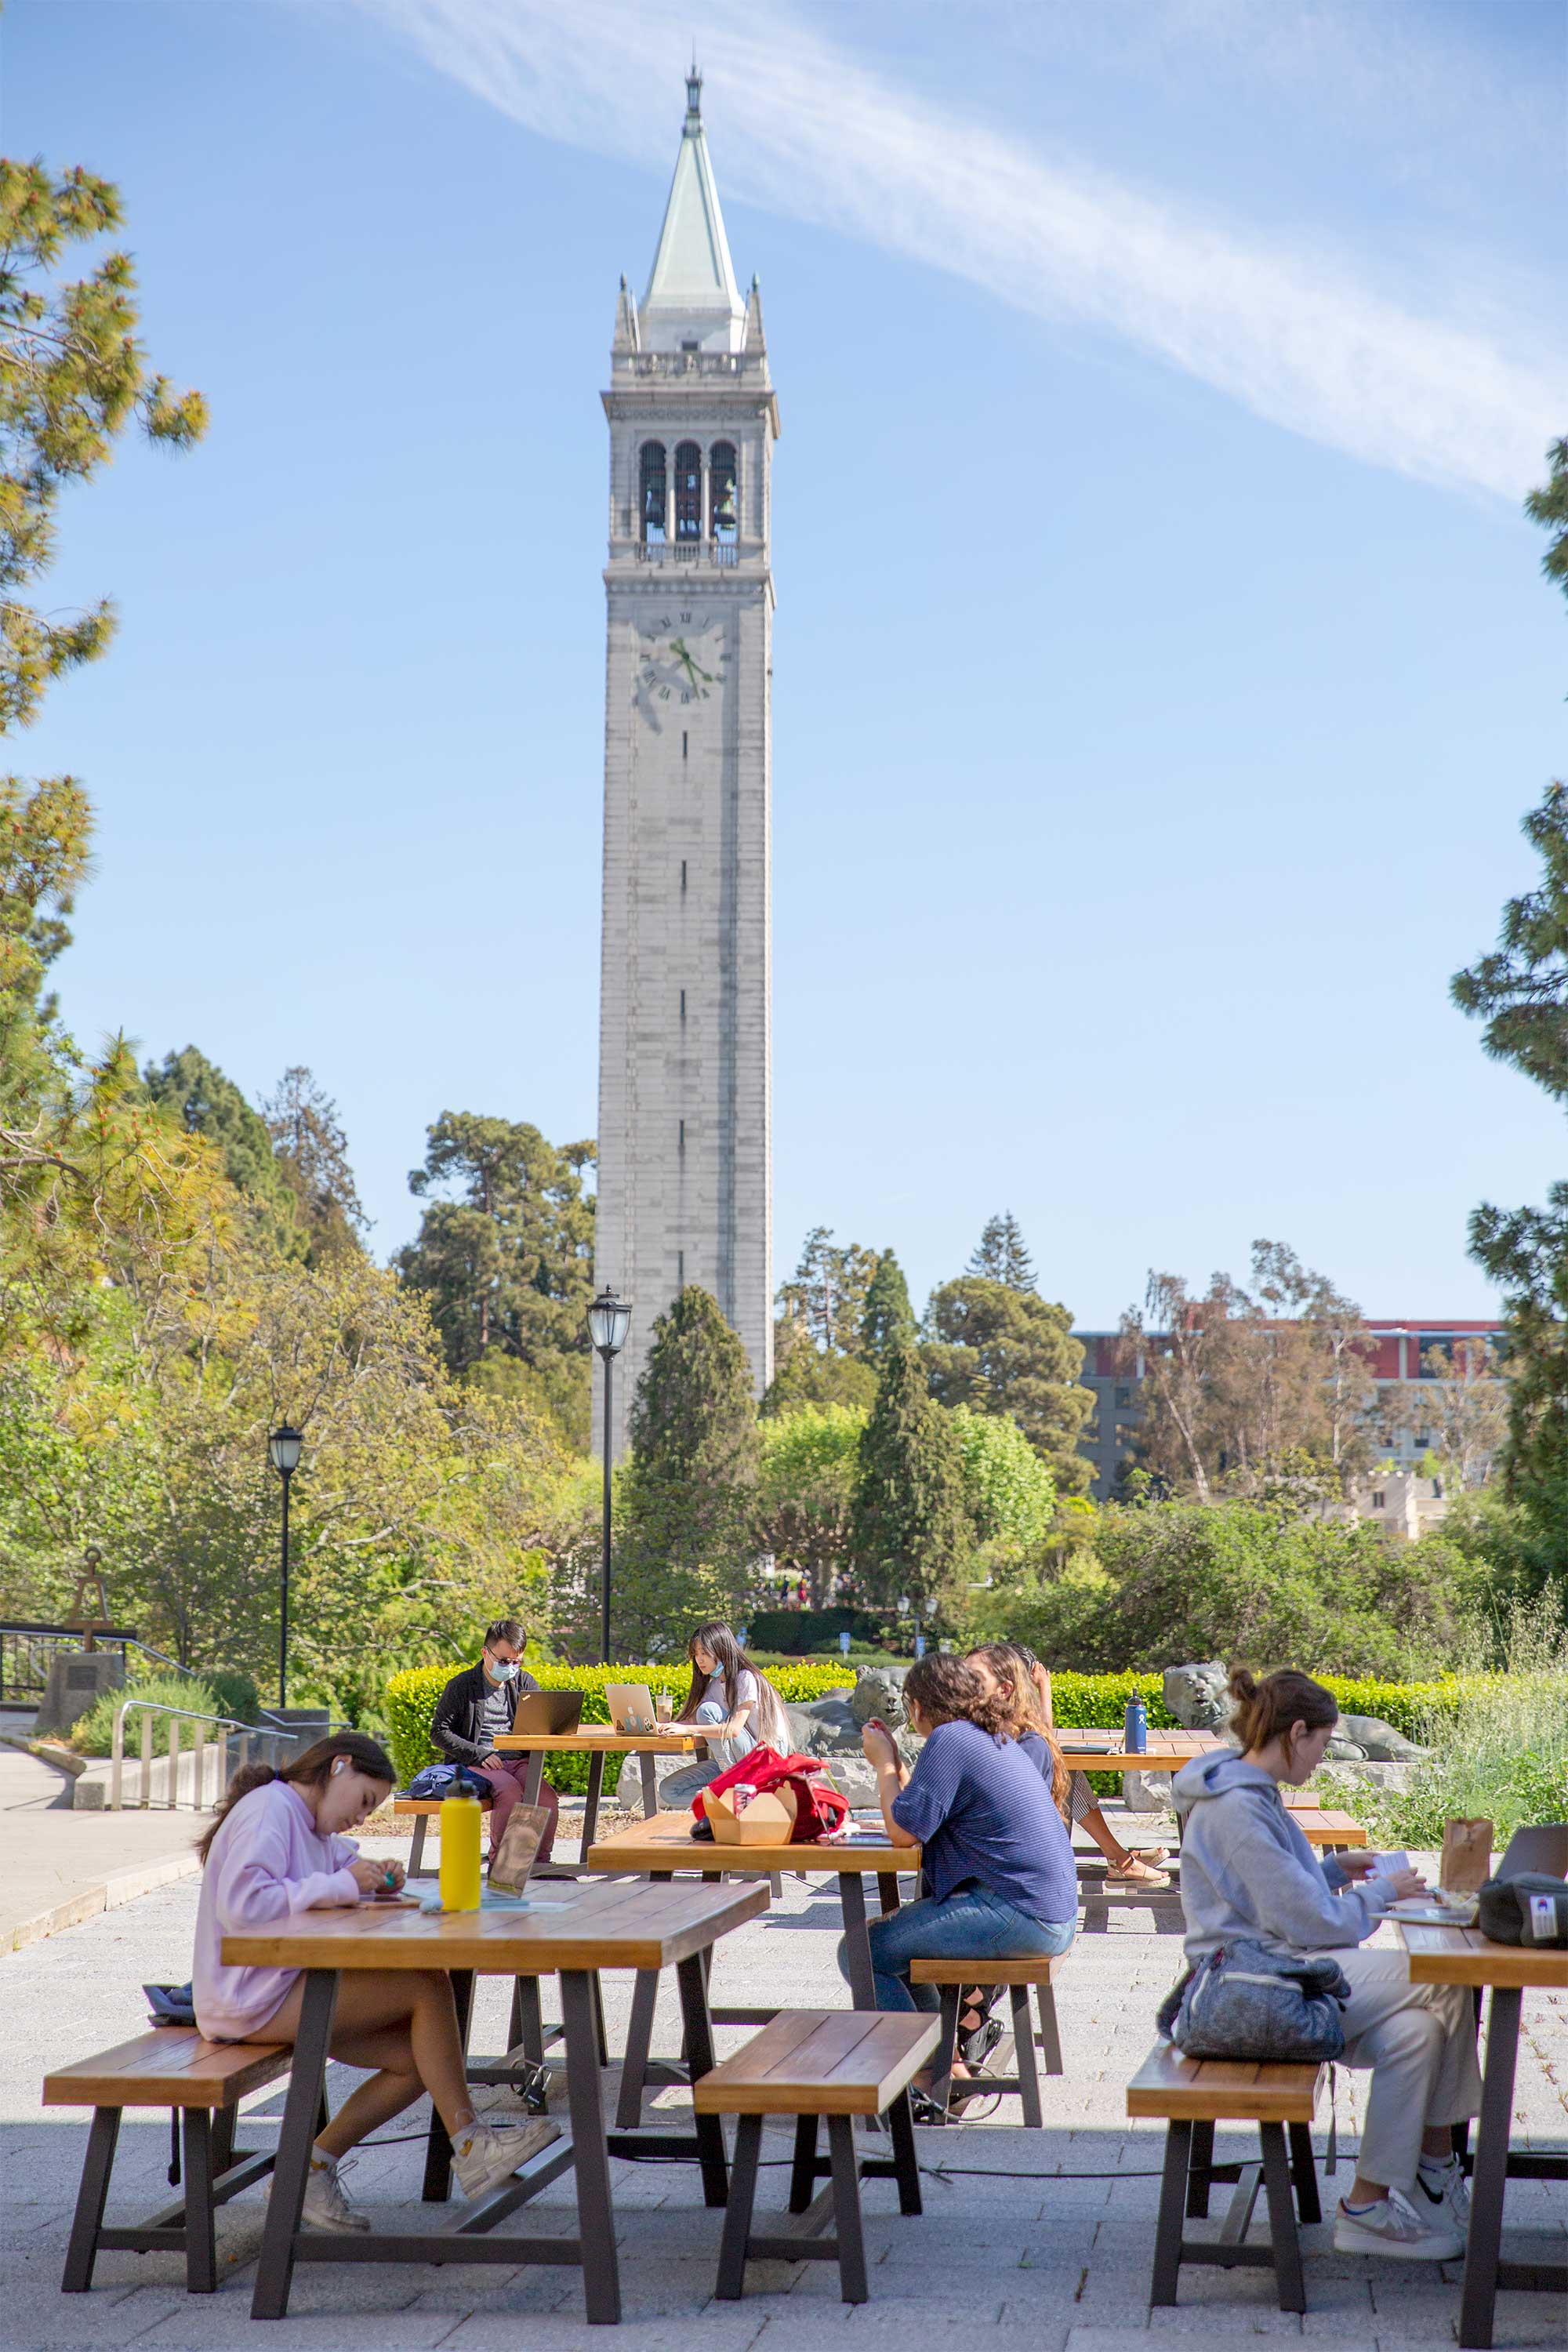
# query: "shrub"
411,1697
92,1734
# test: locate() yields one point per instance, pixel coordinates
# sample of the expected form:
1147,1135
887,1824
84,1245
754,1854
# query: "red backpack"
820,1811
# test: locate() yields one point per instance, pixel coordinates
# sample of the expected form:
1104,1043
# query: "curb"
106,1894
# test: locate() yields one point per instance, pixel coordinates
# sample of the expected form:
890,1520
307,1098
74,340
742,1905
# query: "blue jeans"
972,1925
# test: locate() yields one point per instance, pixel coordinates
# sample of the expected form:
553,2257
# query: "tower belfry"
685,1185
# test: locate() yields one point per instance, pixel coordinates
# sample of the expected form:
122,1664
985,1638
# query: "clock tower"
685,1181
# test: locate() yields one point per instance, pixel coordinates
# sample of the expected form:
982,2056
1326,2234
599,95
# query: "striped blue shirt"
985,1816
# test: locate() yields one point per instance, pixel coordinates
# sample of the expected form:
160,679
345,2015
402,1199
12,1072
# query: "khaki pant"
1420,2042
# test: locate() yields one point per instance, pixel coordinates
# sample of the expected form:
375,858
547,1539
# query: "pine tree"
206,1101
1002,1255
1003,1350
312,1155
686,1498
887,1313
827,1293
910,1529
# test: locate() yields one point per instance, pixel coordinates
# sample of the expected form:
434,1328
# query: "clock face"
682,660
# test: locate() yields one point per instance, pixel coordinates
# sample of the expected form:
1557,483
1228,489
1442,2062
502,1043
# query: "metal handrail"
223,1724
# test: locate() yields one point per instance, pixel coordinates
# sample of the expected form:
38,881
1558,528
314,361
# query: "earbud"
339,1764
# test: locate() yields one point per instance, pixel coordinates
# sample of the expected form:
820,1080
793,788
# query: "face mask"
500,1669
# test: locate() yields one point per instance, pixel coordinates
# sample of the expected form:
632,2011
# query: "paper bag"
518,1847
1467,1862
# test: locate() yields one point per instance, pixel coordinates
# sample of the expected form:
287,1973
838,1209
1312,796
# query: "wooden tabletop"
1464,1956
1167,1751
667,1843
629,1925
671,1739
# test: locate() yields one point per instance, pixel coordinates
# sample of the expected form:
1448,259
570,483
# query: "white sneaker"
487,2153
325,2206
1451,2202
1395,2230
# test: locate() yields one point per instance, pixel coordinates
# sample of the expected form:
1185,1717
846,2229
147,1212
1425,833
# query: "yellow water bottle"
460,1853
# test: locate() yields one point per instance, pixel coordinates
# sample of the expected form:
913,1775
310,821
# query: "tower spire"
692,300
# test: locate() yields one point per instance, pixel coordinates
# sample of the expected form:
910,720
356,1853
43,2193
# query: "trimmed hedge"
411,1697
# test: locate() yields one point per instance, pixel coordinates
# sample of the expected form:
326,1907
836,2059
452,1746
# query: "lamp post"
284,1446
609,1320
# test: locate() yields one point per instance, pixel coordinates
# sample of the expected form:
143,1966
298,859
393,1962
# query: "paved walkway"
1030,2243
58,1867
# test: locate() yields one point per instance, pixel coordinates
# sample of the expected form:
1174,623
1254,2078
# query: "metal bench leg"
1050,2032
1024,2057
416,1851
1282,2218
91,2198
1304,2172
846,2209
941,2061
528,2014
1200,2172
1168,2230
737,2233
802,2172
640,2038
224,2126
906,2164
200,2244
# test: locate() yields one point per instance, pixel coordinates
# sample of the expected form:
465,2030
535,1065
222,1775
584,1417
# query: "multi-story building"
1397,1363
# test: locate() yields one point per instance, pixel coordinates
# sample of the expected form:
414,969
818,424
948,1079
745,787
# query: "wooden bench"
420,1810
954,1978
1191,2095
204,2081
1331,1832
810,2063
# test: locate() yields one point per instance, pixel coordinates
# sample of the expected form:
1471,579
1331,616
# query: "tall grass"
1498,1745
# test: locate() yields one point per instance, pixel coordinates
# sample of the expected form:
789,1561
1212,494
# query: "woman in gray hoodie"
1246,1870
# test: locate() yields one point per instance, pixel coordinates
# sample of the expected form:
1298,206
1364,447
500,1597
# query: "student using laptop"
732,1703
478,1708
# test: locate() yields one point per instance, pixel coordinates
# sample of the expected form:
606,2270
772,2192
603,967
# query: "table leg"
639,2040
590,2157
1491,2173
693,1984
532,1775
888,1889
591,1806
649,1785
857,1947
275,2265
439,2147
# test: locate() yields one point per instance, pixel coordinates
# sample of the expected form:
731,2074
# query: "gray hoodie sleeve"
1245,1852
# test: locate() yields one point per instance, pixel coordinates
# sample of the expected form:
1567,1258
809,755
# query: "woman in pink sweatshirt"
275,1847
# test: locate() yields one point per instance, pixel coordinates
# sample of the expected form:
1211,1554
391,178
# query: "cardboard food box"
766,1820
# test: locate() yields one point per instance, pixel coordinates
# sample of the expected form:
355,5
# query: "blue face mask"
500,1669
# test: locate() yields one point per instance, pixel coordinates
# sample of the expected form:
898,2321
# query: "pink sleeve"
253,1885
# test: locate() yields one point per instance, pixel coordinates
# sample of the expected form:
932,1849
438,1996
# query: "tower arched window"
688,491
724,515
653,493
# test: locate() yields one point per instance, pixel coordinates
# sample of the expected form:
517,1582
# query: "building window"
688,491
1379,1499
1124,1394
654,493
723,523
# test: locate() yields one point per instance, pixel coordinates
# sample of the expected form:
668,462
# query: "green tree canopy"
1010,1496
910,1529
806,1492
312,1155
203,1101
686,1498
1003,1254
1010,1352
507,1260
827,1294
887,1312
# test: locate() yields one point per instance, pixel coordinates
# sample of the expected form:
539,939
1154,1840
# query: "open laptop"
1542,1848
630,1706
549,1711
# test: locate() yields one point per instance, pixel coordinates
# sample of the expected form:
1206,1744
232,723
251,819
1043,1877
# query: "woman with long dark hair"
731,1703
277,1846
997,1858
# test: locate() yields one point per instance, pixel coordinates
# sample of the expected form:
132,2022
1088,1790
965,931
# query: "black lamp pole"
609,1320
284,1446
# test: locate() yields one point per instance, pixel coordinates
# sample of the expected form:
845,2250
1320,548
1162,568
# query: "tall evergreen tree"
910,1529
827,1294
1003,1254
205,1101
686,1498
1002,1349
312,1154
887,1313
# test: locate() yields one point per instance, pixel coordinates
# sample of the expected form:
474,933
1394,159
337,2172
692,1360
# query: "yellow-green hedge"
411,1697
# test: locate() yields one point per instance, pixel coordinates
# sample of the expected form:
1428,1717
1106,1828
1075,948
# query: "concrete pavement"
58,1867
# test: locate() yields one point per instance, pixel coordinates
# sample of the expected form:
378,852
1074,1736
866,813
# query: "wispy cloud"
800,126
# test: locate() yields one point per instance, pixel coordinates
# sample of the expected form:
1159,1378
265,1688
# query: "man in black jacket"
478,1708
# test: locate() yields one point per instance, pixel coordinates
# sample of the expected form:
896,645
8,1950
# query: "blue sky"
1162,662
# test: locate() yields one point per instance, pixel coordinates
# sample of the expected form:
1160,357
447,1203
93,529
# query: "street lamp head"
609,1320
284,1446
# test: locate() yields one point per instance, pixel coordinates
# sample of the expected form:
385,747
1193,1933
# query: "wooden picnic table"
597,1740
1167,1750
1463,1956
572,1931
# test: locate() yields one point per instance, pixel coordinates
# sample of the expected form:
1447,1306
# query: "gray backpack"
1245,2001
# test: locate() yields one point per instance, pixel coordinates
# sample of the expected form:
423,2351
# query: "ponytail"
1270,1709
311,1771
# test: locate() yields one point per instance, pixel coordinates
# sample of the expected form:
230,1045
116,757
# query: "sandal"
1136,1873
976,2046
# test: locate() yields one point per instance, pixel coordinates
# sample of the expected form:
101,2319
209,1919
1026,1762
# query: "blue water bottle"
1135,1727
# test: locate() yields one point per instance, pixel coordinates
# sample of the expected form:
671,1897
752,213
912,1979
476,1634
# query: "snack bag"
1467,1862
